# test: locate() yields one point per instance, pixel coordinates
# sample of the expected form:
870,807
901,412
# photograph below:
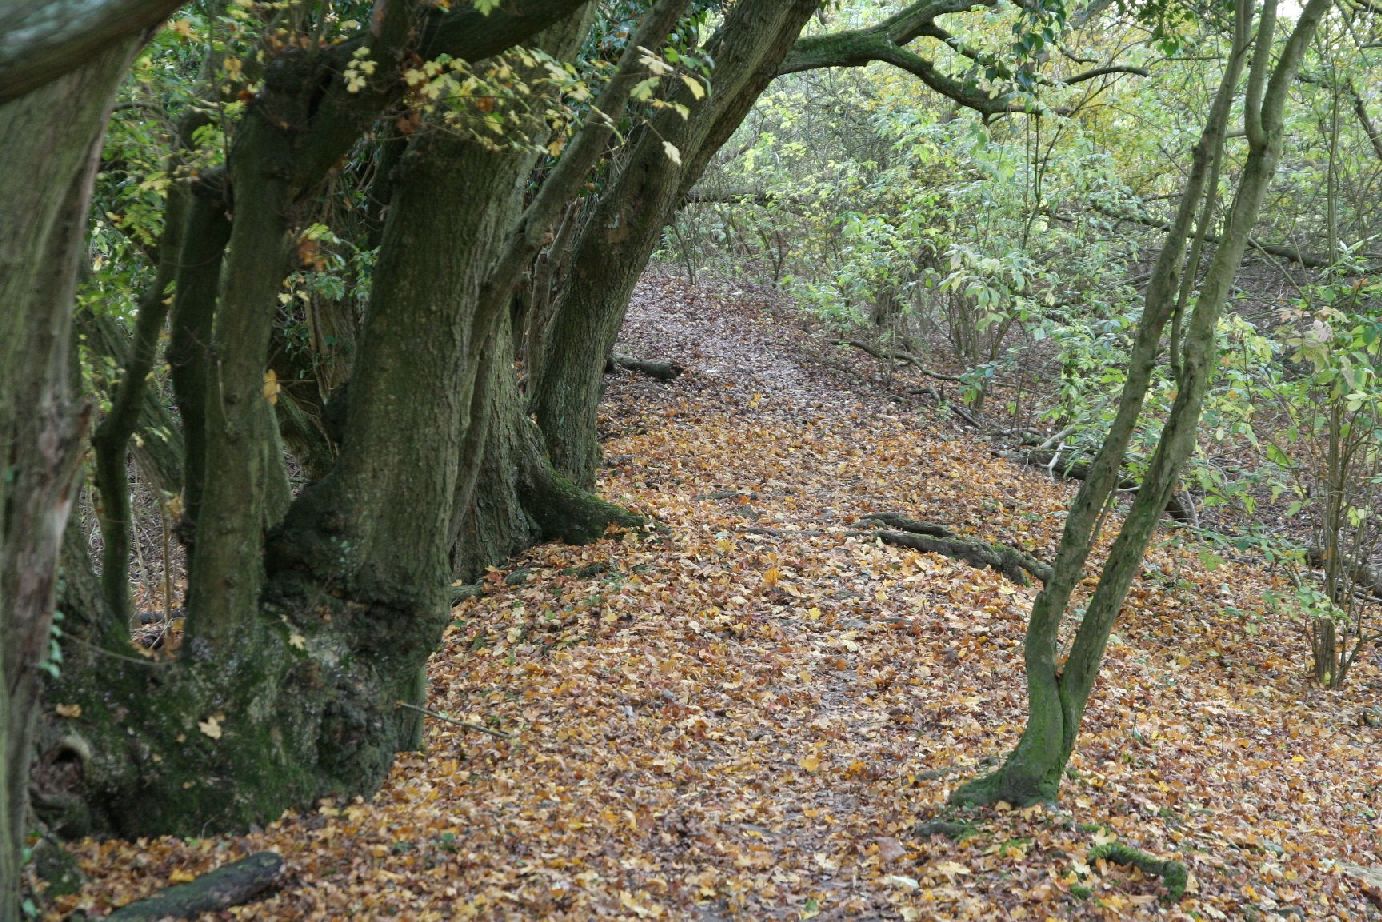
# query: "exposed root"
937,539
1172,873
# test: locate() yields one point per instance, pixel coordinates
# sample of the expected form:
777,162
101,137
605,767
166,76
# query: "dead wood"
662,371
900,356
1074,466
232,885
1009,561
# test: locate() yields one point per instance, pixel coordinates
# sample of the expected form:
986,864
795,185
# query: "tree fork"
1058,697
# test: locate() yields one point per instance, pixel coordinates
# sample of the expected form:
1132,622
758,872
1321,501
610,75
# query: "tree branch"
340,116
1295,255
887,42
41,42
1104,71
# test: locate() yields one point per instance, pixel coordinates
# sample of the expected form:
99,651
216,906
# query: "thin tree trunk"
1057,694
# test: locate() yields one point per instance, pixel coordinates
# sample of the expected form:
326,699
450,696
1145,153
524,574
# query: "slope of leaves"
747,712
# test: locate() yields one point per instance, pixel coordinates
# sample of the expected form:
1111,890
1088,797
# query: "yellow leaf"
69,710
950,868
694,86
771,576
181,877
271,387
811,762
673,154
644,910
212,725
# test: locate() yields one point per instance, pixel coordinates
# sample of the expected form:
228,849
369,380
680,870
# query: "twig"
452,720
138,661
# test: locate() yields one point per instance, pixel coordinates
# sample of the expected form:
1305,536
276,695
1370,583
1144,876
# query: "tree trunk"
45,188
1058,693
616,243
307,641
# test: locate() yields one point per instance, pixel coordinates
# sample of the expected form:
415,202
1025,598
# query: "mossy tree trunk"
620,236
757,42
45,188
305,635
1058,692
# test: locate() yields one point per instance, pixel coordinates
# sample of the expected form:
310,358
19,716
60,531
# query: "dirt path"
728,718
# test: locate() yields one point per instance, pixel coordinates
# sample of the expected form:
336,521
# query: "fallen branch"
1361,576
937,539
478,728
1061,465
906,358
930,538
903,523
662,371
1290,253
232,885
1009,561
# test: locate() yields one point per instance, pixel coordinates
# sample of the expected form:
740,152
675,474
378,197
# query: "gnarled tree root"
232,885
936,539
1172,873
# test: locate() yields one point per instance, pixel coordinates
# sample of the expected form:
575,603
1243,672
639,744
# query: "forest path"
745,713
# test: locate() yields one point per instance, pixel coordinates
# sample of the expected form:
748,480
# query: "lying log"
232,885
1067,466
932,539
903,523
902,357
662,371
1009,561
1363,577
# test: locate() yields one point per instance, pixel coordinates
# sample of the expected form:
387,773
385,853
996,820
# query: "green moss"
956,830
563,511
1172,873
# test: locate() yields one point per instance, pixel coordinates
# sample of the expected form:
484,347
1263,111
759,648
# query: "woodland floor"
710,722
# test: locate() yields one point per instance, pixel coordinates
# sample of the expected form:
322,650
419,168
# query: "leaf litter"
748,713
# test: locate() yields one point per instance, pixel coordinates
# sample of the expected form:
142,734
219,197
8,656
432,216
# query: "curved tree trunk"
618,240
307,639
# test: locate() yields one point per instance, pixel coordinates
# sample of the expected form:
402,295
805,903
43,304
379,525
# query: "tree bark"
303,663
624,230
39,42
44,189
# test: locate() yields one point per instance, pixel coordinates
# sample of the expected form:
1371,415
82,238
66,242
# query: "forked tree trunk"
1058,693
45,188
